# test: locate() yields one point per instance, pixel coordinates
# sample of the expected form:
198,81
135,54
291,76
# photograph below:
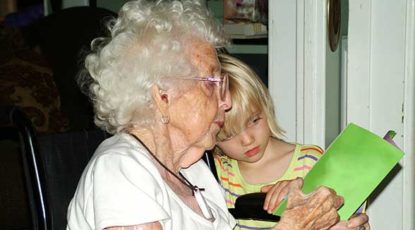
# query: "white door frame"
297,65
409,121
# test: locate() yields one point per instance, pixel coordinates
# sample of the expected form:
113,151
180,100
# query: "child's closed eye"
254,120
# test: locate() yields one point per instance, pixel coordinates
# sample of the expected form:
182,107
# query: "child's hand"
278,192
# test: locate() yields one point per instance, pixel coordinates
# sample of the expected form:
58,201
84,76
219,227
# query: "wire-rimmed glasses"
222,83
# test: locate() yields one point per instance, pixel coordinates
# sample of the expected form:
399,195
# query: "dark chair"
64,157
52,163
14,125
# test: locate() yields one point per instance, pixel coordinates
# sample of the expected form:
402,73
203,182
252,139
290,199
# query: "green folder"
353,165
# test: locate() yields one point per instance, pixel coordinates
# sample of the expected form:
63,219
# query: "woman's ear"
161,99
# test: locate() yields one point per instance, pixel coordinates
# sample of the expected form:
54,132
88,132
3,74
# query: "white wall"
380,95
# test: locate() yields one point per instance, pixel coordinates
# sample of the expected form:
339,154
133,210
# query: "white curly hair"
145,45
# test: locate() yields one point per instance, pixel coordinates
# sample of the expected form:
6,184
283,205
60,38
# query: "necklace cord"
183,179
196,191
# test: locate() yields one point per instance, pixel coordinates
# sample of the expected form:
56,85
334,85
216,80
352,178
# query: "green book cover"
353,165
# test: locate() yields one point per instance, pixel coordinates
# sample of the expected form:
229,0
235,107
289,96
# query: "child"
250,153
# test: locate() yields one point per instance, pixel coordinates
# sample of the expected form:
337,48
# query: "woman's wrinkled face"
199,112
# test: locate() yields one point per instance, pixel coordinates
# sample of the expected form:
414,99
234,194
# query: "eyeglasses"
222,83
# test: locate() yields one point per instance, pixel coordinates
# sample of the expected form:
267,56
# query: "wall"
381,97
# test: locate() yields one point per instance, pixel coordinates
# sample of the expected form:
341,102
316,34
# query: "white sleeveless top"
121,186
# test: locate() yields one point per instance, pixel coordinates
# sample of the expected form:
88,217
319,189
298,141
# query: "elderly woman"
156,84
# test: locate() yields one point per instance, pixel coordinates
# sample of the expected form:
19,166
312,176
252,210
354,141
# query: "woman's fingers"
297,183
358,220
322,209
317,210
331,194
274,197
266,188
327,220
278,192
342,225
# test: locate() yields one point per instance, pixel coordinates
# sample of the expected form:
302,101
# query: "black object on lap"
250,206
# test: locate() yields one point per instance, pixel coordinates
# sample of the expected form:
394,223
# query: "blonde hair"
249,94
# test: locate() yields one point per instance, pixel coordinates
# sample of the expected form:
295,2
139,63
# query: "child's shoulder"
305,157
304,149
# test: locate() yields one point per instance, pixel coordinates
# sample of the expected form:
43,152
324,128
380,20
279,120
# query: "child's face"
249,145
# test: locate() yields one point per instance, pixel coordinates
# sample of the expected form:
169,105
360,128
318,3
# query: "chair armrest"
250,206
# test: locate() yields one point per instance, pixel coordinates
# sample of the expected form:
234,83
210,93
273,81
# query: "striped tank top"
304,158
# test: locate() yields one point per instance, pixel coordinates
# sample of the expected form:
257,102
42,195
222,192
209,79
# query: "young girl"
250,155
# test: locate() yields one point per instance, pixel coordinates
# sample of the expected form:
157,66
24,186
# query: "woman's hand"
314,211
358,222
278,192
